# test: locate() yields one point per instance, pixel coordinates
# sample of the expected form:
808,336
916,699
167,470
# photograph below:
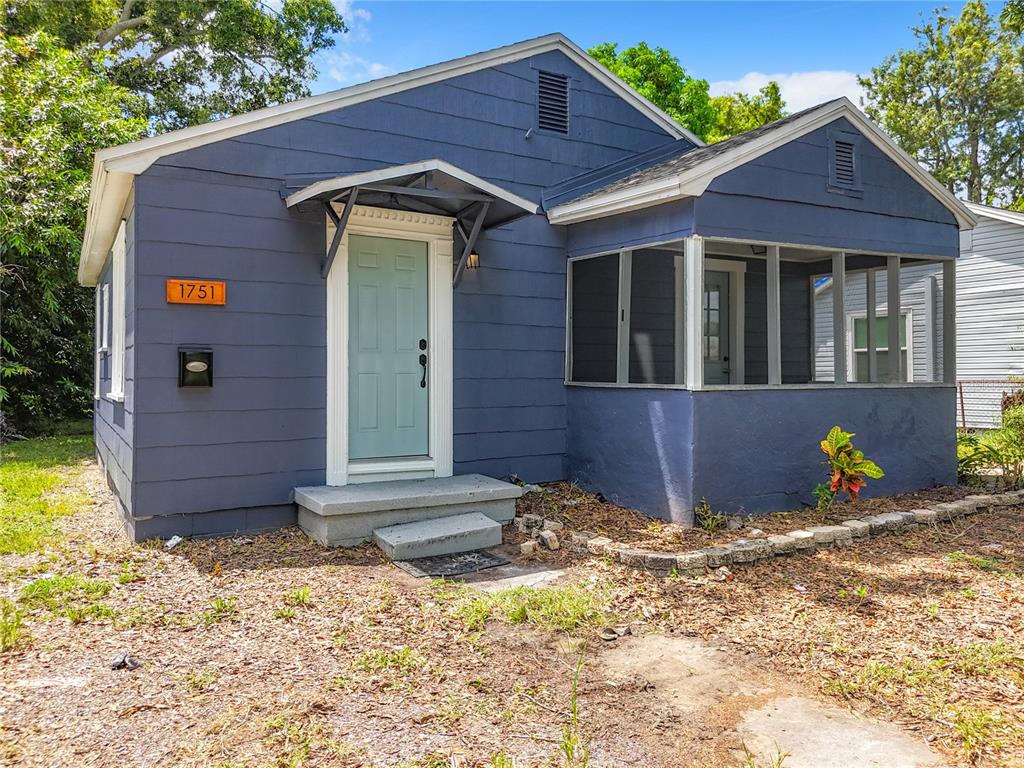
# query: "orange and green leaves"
849,469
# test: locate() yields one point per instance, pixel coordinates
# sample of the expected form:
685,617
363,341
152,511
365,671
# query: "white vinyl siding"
921,294
117,319
990,315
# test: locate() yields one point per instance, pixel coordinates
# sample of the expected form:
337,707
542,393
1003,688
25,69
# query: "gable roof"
689,173
1000,214
114,167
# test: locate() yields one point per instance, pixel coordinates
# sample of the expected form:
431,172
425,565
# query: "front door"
388,348
716,327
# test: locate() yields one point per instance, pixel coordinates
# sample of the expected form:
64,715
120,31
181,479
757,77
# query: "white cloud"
346,68
356,19
799,89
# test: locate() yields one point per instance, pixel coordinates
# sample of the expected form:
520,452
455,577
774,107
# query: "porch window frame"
906,313
689,301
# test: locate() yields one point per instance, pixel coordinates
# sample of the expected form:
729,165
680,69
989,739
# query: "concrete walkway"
770,719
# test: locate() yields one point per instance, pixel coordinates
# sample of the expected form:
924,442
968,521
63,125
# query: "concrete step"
440,536
348,515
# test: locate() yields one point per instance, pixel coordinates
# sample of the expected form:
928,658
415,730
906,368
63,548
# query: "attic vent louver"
553,102
844,163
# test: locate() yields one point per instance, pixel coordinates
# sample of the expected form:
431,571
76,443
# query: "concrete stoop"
344,516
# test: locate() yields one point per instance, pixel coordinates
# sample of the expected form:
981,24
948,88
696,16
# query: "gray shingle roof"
687,160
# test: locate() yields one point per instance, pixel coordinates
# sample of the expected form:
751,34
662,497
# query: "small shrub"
707,519
824,496
847,466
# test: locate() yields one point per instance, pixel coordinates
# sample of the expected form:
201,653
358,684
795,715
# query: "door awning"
429,186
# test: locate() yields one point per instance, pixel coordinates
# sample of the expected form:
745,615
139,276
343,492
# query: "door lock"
423,363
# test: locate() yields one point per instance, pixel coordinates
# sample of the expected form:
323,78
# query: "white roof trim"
1001,214
383,174
136,157
694,181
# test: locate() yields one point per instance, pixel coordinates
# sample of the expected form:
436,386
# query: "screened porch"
720,313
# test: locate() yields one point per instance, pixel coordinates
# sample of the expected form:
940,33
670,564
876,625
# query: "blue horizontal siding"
657,224
783,196
216,212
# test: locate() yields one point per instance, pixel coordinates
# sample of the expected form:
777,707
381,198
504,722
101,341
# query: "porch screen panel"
652,318
595,310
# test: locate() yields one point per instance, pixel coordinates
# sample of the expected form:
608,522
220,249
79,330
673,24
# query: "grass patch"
10,625
71,596
299,597
403,661
569,608
220,608
31,473
203,679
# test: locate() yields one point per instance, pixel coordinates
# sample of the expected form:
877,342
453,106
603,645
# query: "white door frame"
436,232
737,305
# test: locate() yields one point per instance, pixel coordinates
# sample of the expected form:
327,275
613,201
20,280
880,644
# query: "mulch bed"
580,510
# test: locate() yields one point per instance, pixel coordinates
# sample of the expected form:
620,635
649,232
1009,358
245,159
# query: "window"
626,317
98,354
118,283
859,348
553,102
844,163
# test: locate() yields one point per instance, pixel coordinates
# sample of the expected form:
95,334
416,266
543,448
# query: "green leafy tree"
57,109
1012,16
956,102
193,60
737,112
658,76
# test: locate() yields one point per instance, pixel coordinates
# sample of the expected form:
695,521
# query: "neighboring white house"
990,318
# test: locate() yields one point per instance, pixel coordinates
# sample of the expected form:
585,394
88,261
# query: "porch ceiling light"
474,260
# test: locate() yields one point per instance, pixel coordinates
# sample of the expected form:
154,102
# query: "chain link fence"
980,401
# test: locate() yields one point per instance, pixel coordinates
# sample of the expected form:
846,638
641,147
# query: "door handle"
423,363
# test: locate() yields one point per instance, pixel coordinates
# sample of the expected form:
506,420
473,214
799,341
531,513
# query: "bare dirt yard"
272,651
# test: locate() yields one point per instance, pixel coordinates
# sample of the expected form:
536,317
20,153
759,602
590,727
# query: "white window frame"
98,353
737,271
851,353
118,282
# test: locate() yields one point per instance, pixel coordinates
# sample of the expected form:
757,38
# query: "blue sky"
814,49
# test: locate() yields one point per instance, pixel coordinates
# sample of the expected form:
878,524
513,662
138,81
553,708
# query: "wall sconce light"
474,260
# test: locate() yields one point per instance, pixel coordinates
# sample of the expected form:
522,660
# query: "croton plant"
849,469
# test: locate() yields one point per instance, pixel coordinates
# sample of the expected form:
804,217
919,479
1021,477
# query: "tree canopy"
192,60
956,102
58,109
80,75
659,77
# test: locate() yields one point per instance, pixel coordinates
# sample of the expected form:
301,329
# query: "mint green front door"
388,348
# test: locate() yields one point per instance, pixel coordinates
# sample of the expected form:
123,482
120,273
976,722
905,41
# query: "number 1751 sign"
196,292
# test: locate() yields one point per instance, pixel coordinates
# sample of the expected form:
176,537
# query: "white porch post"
693,303
872,304
892,280
949,321
839,317
774,316
625,292
679,320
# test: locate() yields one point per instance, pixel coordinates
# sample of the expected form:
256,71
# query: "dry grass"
281,653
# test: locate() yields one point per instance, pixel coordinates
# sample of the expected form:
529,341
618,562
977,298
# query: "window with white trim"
859,347
98,347
118,282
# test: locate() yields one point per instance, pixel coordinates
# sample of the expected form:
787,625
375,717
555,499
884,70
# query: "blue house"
386,298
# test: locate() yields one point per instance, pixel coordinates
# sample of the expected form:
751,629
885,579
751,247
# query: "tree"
192,60
737,112
1012,16
956,102
57,110
658,76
